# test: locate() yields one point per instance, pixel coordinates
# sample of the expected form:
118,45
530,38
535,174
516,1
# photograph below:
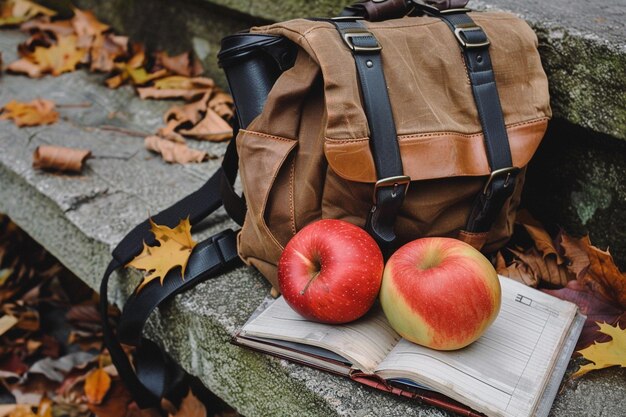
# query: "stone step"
80,218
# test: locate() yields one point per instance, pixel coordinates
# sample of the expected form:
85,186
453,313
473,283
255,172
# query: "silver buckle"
459,30
355,33
498,172
394,182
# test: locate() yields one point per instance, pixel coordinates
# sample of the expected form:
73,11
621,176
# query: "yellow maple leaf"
604,355
35,113
174,249
61,57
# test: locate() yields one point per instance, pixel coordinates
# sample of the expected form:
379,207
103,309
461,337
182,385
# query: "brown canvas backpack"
408,119
311,152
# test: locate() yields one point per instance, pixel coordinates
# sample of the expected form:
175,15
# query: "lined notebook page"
365,342
503,373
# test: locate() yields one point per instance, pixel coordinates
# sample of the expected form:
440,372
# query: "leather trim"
434,155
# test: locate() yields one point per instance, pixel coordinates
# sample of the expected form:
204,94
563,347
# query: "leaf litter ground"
52,359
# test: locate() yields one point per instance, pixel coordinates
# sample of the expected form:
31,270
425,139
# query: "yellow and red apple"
440,293
331,271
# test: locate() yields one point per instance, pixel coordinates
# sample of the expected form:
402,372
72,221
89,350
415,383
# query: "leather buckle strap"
365,41
461,33
395,182
509,172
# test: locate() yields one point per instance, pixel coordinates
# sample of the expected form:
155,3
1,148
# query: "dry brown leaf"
87,27
97,385
184,64
223,104
45,407
35,113
25,66
115,404
604,355
603,276
574,251
190,407
177,86
190,113
14,12
21,410
212,127
58,58
174,249
517,270
60,158
174,152
43,24
6,323
105,50
168,132
544,268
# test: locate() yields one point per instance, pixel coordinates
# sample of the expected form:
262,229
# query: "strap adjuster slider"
459,33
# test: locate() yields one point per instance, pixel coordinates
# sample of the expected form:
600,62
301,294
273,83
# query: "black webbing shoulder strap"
392,184
154,374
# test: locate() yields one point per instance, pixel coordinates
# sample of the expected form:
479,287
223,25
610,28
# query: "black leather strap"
155,373
500,185
392,185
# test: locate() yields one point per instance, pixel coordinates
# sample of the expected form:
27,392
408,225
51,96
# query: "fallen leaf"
97,385
607,354
223,104
25,66
22,411
35,113
174,249
190,113
45,408
517,270
574,251
60,158
169,132
14,12
184,64
105,50
212,127
44,24
133,70
61,57
115,404
544,268
596,309
87,27
55,369
190,407
603,276
6,323
174,152
177,86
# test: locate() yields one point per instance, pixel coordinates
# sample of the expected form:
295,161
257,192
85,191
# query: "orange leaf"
97,385
190,407
184,64
603,276
574,251
212,127
37,112
177,86
45,407
174,152
61,57
175,247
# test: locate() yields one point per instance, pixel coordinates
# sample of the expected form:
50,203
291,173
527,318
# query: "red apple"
440,293
330,271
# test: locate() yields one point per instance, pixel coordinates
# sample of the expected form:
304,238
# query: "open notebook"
513,370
